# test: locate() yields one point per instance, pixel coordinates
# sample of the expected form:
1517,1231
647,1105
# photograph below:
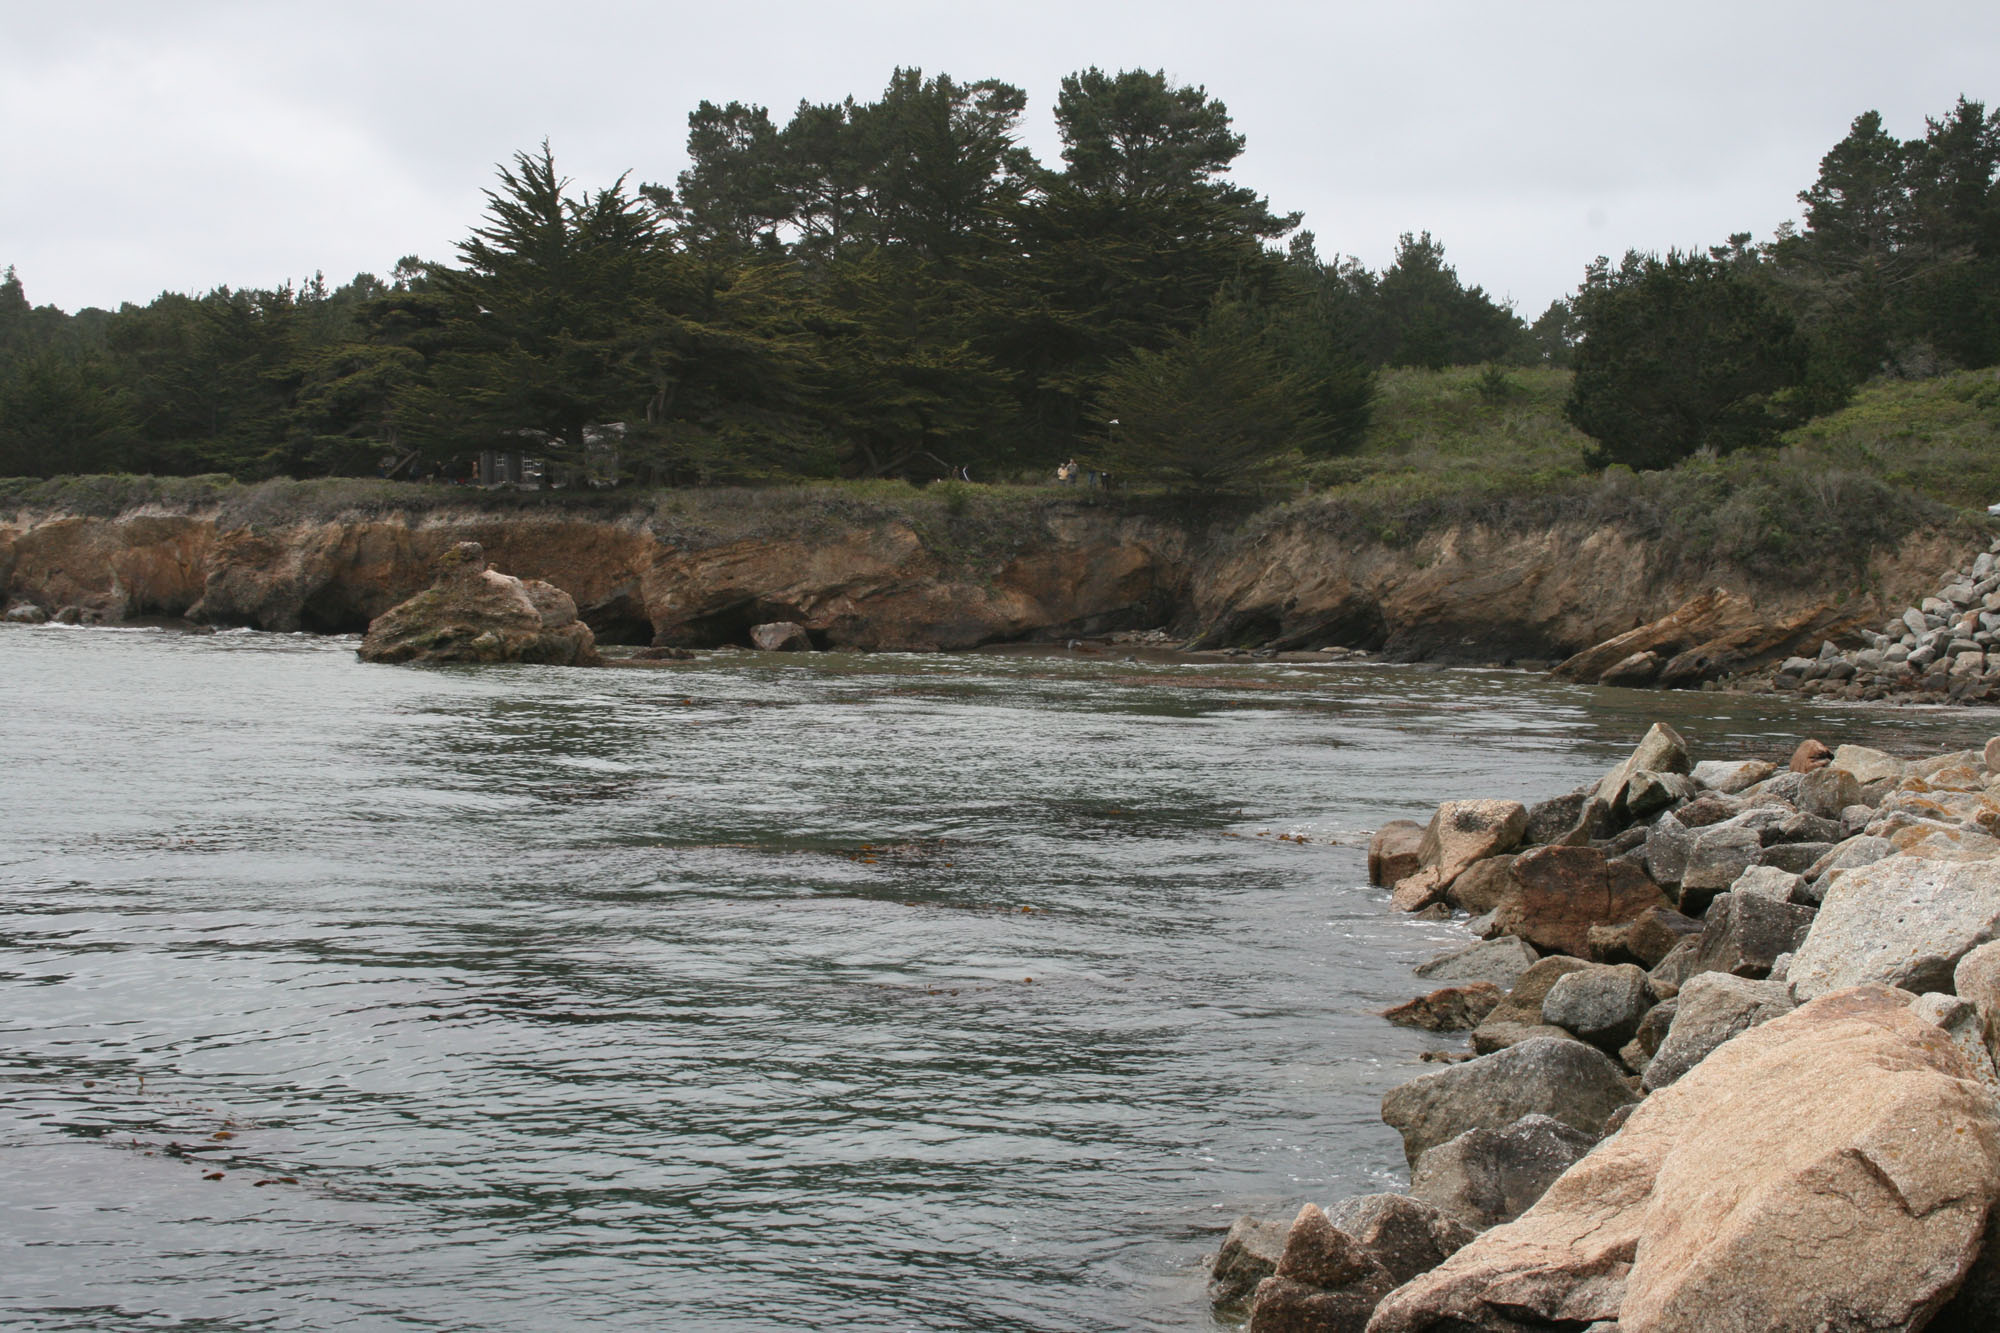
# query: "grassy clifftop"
1451,446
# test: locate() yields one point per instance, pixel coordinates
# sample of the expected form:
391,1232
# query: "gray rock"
1668,843
781,636
1645,1044
1549,820
1600,1005
1784,786
1732,775
1793,857
1768,882
1406,1235
1500,961
1904,921
1569,1080
25,613
1801,827
1661,750
1865,764
1718,856
1647,791
1672,972
1744,934
1249,1254
1486,1177
1827,791
1712,1008
1851,854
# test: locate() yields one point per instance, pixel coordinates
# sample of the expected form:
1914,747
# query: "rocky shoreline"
1732,1040
700,570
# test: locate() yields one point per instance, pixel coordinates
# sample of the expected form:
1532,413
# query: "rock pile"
1948,648
1733,1032
476,614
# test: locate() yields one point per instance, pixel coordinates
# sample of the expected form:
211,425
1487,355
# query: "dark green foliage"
1213,410
1678,355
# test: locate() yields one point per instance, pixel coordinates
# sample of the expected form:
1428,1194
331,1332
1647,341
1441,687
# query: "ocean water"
967,992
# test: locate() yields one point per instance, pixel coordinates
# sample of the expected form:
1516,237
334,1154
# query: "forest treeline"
898,288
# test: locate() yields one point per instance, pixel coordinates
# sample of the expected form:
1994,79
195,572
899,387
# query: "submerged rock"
476,614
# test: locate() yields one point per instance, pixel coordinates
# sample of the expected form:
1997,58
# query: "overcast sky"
182,144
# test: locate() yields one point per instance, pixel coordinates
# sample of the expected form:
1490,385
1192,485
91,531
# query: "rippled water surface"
973,992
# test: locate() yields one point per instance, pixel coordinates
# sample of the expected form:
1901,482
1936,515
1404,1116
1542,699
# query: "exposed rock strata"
896,582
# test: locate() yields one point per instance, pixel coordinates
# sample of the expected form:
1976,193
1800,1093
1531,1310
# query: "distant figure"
1066,474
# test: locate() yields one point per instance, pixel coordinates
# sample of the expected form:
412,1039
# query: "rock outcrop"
1823,1195
477,614
700,570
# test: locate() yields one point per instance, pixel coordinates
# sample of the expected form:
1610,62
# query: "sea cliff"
944,568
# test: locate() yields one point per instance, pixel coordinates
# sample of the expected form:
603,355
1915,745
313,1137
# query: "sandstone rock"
1559,893
1732,775
1460,833
1518,1018
1635,669
1704,810
1320,1254
1977,981
1645,939
1710,1009
1394,851
1600,1005
1286,1305
1453,1009
1485,1177
781,636
663,653
1846,1167
1905,922
1827,791
1568,1080
1482,887
1810,755
1501,961
1960,1020
475,614
1406,1235
1865,764
1325,1282
1990,756
1249,1254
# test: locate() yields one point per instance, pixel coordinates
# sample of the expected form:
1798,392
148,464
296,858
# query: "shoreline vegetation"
1732,1040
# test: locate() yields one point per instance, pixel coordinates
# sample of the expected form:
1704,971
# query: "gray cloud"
176,147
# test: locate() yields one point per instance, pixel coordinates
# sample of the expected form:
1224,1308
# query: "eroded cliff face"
1469,593
880,586
1466,594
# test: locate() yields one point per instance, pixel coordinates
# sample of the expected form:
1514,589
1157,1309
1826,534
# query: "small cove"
704,996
